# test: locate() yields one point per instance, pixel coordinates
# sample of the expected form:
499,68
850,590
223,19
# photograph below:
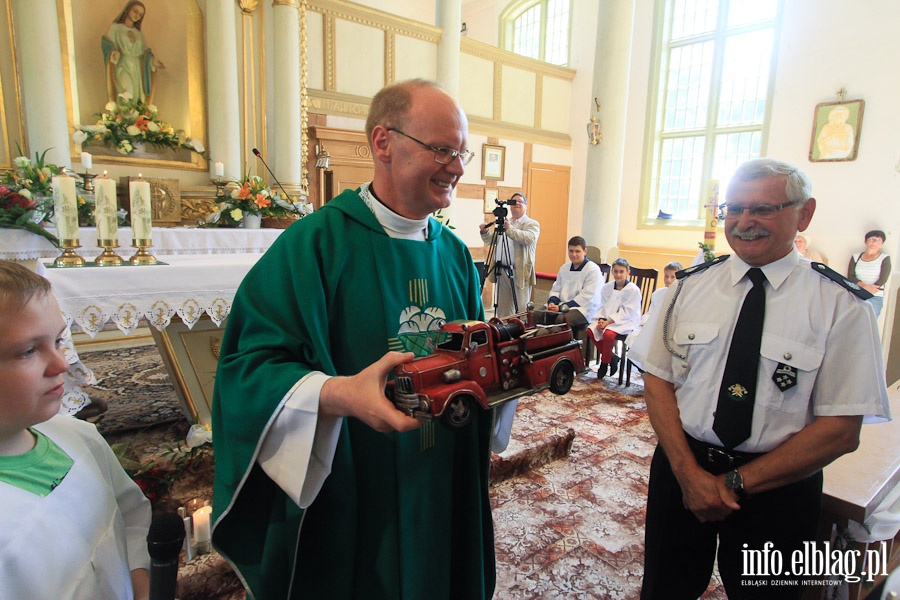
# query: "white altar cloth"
189,286
22,245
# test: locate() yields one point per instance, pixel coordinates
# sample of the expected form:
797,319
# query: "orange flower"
141,123
244,192
262,201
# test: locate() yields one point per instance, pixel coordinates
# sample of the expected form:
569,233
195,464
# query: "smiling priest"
322,488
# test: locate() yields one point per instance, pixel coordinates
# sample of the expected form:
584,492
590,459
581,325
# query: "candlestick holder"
68,258
142,257
108,258
87,181
220,186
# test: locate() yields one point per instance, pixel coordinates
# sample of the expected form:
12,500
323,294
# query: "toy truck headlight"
451,375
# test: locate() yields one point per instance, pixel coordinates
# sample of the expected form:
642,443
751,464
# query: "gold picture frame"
174,32
493,161
836,131
165,199
491,195
191,357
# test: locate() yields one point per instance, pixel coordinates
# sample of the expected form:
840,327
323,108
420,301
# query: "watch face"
734,480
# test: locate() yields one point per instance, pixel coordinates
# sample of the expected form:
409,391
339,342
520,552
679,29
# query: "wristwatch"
734,481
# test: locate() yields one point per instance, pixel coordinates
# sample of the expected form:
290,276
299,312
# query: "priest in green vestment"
323,489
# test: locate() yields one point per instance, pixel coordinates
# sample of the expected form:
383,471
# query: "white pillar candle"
220,169
105,210
201,524
139,192
65,207
87,161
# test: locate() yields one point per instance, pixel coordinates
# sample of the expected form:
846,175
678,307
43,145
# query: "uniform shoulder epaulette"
701,267
839,279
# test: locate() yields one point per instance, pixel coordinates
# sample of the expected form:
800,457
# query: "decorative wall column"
287,143
43,90
449,18
603,168
222,81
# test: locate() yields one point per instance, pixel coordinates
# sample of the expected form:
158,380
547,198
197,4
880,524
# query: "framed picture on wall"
836,130
493,161
491,195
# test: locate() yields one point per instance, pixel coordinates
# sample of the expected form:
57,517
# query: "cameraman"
520,238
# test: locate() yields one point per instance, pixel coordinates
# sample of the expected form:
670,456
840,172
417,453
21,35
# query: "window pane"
527,31
745,78
557,42
693,17
730,150
687,87
746,12
679,180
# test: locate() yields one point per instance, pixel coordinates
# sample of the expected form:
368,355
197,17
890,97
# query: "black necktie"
734,411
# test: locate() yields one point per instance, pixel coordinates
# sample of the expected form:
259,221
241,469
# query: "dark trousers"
680,550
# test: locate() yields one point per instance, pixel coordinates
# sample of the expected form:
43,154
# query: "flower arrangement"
128,122
29,178
251,195
18,211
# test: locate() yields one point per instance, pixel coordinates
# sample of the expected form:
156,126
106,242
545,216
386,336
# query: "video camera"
501,211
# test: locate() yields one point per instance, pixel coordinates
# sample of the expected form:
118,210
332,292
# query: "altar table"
22,245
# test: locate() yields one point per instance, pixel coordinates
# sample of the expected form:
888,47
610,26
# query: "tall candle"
712,213
201,524
105,210
87,161
220,169
65,206
139,191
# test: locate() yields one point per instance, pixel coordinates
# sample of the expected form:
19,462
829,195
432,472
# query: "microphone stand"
287,196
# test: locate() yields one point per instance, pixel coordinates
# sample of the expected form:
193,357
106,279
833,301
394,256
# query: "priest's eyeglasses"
444,156
760,211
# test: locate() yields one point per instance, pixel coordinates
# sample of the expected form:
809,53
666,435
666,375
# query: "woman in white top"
871,269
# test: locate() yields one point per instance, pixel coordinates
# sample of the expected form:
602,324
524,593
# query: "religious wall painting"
836,131
153,51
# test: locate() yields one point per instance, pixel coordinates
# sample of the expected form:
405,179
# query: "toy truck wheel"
458,412
561,378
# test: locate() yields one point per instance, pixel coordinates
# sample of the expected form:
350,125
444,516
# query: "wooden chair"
593,254
604,268
646,280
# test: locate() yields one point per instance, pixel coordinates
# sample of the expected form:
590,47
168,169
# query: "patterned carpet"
566,527
574,528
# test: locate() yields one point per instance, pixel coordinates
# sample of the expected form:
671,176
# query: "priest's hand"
362,396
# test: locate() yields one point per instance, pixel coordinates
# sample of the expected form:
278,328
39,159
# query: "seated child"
73,524
656,299
619,312
577,286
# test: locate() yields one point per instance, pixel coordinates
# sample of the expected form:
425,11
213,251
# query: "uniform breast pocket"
788,373
697,342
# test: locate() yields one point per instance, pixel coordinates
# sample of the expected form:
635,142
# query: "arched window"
538,29
714,90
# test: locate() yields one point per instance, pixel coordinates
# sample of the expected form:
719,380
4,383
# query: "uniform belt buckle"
717,457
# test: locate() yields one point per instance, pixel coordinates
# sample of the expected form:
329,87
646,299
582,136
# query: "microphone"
287,197
164,541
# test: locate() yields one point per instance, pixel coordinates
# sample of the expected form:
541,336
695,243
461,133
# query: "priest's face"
32,364
421,185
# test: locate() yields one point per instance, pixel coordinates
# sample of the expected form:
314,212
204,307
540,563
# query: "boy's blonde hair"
19,285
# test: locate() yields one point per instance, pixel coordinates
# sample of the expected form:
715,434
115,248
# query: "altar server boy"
73,524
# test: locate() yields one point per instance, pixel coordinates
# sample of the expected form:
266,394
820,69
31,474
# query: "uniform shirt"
815,326
578,288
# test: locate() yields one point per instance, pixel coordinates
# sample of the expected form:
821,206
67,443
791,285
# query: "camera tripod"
500,263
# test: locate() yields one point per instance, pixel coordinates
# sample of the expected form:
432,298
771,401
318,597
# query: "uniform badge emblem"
785,377
737,391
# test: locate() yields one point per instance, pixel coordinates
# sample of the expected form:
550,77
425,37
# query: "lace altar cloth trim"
158,311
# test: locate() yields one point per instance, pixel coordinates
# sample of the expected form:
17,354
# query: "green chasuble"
402,515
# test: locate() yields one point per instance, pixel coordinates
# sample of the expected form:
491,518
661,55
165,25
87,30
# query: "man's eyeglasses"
444,156
760,211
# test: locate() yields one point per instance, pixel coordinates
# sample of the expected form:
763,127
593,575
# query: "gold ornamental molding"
330,52
288,3
248,6
511,131
370,17
538,99
497,107
336,103
390,57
